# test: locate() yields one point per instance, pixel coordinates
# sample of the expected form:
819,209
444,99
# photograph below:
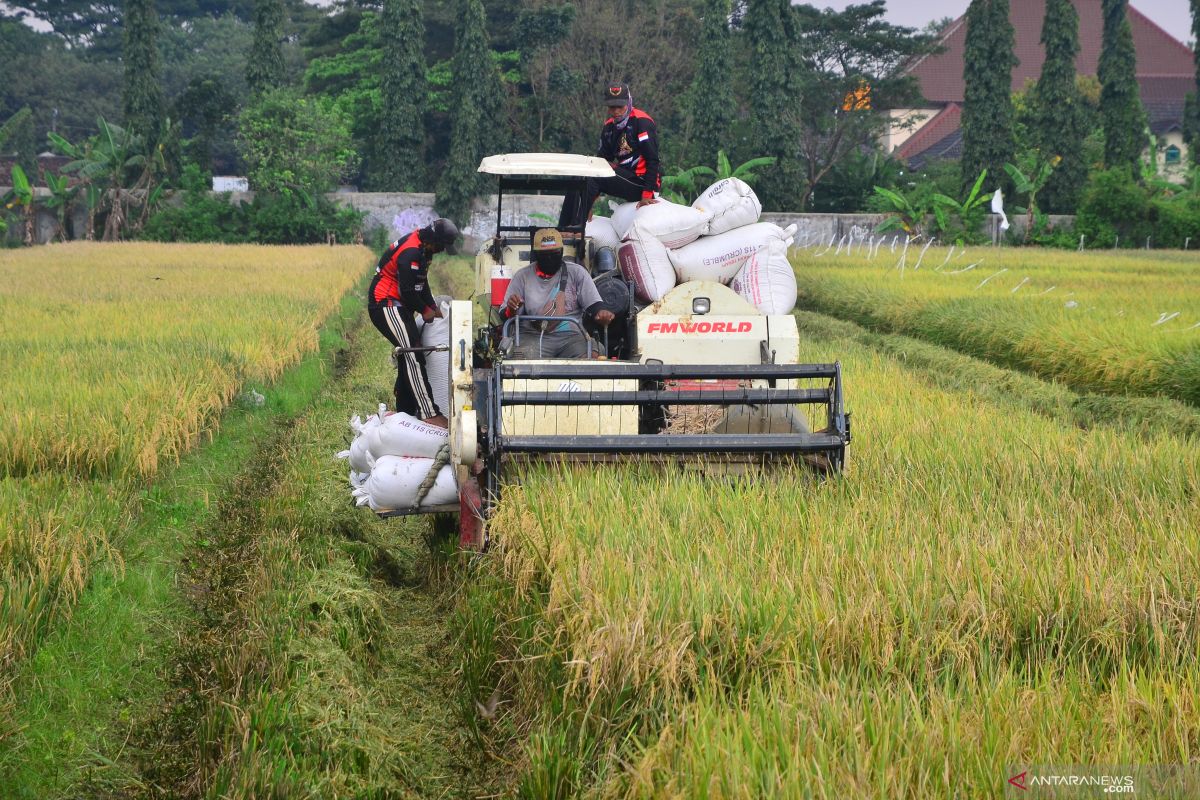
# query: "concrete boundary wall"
400,212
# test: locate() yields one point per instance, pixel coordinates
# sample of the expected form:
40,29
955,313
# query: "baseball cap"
547,239
444,232
616,94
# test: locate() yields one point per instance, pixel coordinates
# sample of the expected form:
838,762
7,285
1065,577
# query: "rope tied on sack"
440,460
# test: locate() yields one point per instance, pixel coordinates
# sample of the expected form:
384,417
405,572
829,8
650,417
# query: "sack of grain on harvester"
730,204
645,263
721,257
670,223
395,483
603,233
767,280
436,333
359,454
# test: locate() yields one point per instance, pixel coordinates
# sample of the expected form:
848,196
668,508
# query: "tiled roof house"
1165,73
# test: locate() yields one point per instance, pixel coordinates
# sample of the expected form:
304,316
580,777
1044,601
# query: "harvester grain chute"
699,377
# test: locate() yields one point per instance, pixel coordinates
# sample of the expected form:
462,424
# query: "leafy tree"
400,142
476,109
1058,114
987,117
348,83
772,30
290,144
264,67
205,49
204,110
710,107
144,114
853,76
66,90
62,196
1120,104
638,43
544,77
16,136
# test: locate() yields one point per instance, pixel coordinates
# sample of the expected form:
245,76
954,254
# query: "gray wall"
400,212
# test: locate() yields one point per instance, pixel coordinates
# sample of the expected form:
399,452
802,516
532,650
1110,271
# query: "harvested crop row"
861,635
121,356
1119,323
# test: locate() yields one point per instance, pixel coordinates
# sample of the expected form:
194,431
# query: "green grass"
330,645
986,586
1089,320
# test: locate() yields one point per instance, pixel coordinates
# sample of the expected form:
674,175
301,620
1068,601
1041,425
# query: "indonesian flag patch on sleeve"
643,136
416,265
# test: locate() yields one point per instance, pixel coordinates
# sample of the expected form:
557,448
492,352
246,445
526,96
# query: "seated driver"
553,287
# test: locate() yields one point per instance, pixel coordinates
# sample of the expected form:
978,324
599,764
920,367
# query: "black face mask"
549,261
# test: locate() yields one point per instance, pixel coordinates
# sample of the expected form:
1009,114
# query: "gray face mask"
620,117
549,261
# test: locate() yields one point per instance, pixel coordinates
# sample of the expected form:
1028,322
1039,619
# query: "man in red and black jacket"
399,291
629,142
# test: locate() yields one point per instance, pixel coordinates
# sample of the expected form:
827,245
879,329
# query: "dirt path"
317,659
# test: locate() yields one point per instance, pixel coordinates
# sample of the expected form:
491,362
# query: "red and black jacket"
402,276
634,147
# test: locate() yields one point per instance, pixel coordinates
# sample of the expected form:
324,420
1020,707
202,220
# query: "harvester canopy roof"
564,164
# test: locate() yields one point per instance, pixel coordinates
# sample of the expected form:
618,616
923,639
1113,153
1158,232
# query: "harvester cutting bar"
675,443
705,397
586,370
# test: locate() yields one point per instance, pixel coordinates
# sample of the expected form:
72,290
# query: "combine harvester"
699,377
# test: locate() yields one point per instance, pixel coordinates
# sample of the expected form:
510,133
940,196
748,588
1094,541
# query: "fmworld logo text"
700,327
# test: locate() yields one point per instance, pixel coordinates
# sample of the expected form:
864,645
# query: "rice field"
117,359
1119,323
987,586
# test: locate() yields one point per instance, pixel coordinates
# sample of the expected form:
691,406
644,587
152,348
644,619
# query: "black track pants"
413,394
625,185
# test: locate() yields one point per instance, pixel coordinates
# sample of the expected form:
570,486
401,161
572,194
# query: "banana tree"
21,196
62,195
969,212
108,162
681,187
908,215
1030,175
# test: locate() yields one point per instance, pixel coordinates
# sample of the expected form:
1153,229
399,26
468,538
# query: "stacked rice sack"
716,238
390,457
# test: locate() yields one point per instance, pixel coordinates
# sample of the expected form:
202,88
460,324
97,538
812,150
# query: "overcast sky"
1172,15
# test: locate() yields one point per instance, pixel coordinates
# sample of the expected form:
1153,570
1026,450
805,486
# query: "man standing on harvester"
400,291
629,142
552,287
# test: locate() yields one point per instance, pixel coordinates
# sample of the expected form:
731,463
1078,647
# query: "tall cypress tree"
1191,114
475,114
143,99
772,29
1058,114
264,67
1120,104
398,160
711,106
987,117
